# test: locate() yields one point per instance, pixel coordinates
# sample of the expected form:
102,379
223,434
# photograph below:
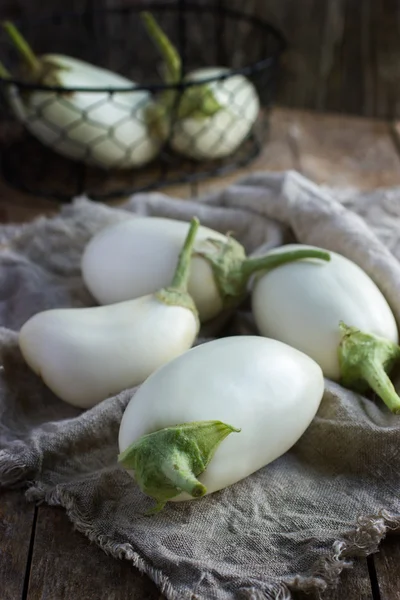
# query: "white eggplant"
88,354
212,119
170,437
108,130
334,313
137,256
218,135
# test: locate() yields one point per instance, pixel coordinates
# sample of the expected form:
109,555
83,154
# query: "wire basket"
84,155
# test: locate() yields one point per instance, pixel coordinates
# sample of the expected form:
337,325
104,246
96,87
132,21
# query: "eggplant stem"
367,358
168,461
182,272
197,101
167,50
23,47
271,261
180,475
177,293
378,380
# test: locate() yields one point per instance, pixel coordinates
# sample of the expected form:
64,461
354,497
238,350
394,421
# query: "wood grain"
66,565
342,57
330,149
16,521
387,563
386,14
17,207
354,584
345,151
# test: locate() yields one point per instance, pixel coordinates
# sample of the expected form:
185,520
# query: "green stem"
181,476
232,269
177,293
197,101
4,73
271,261
168,462
182,272
23,47
366,359
167,50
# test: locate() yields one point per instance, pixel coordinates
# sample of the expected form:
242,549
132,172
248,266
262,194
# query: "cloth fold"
293,525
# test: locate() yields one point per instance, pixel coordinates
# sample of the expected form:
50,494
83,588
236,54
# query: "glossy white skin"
139,256
86,355
301,304
269,390
219,135
90,140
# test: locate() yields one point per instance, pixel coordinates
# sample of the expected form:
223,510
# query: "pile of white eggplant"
207,417
93,115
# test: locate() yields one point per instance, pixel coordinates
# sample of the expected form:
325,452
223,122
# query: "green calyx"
232,270
177,293
196,101
365,361
168,462
36,69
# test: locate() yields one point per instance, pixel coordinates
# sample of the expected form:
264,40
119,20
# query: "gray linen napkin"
294,524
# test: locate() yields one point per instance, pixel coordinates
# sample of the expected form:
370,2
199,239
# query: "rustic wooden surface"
92,574
17,520
387,565
41,556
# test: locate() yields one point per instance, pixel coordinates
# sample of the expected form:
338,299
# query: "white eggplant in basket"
108,130
218,135
211,119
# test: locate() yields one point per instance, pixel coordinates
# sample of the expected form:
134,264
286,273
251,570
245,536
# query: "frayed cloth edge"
361,541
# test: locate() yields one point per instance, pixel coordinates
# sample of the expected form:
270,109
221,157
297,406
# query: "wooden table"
41,556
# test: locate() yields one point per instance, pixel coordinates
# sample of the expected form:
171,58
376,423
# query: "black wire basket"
109,141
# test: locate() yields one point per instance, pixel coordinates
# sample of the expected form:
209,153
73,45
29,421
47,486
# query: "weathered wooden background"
343,55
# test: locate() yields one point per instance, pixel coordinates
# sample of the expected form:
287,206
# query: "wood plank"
17,207
343,57
336,150
346,151
16,522
386,15
300,78
66,565
354,584
387,569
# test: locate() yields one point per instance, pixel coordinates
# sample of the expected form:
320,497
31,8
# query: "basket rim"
249,69
215,170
